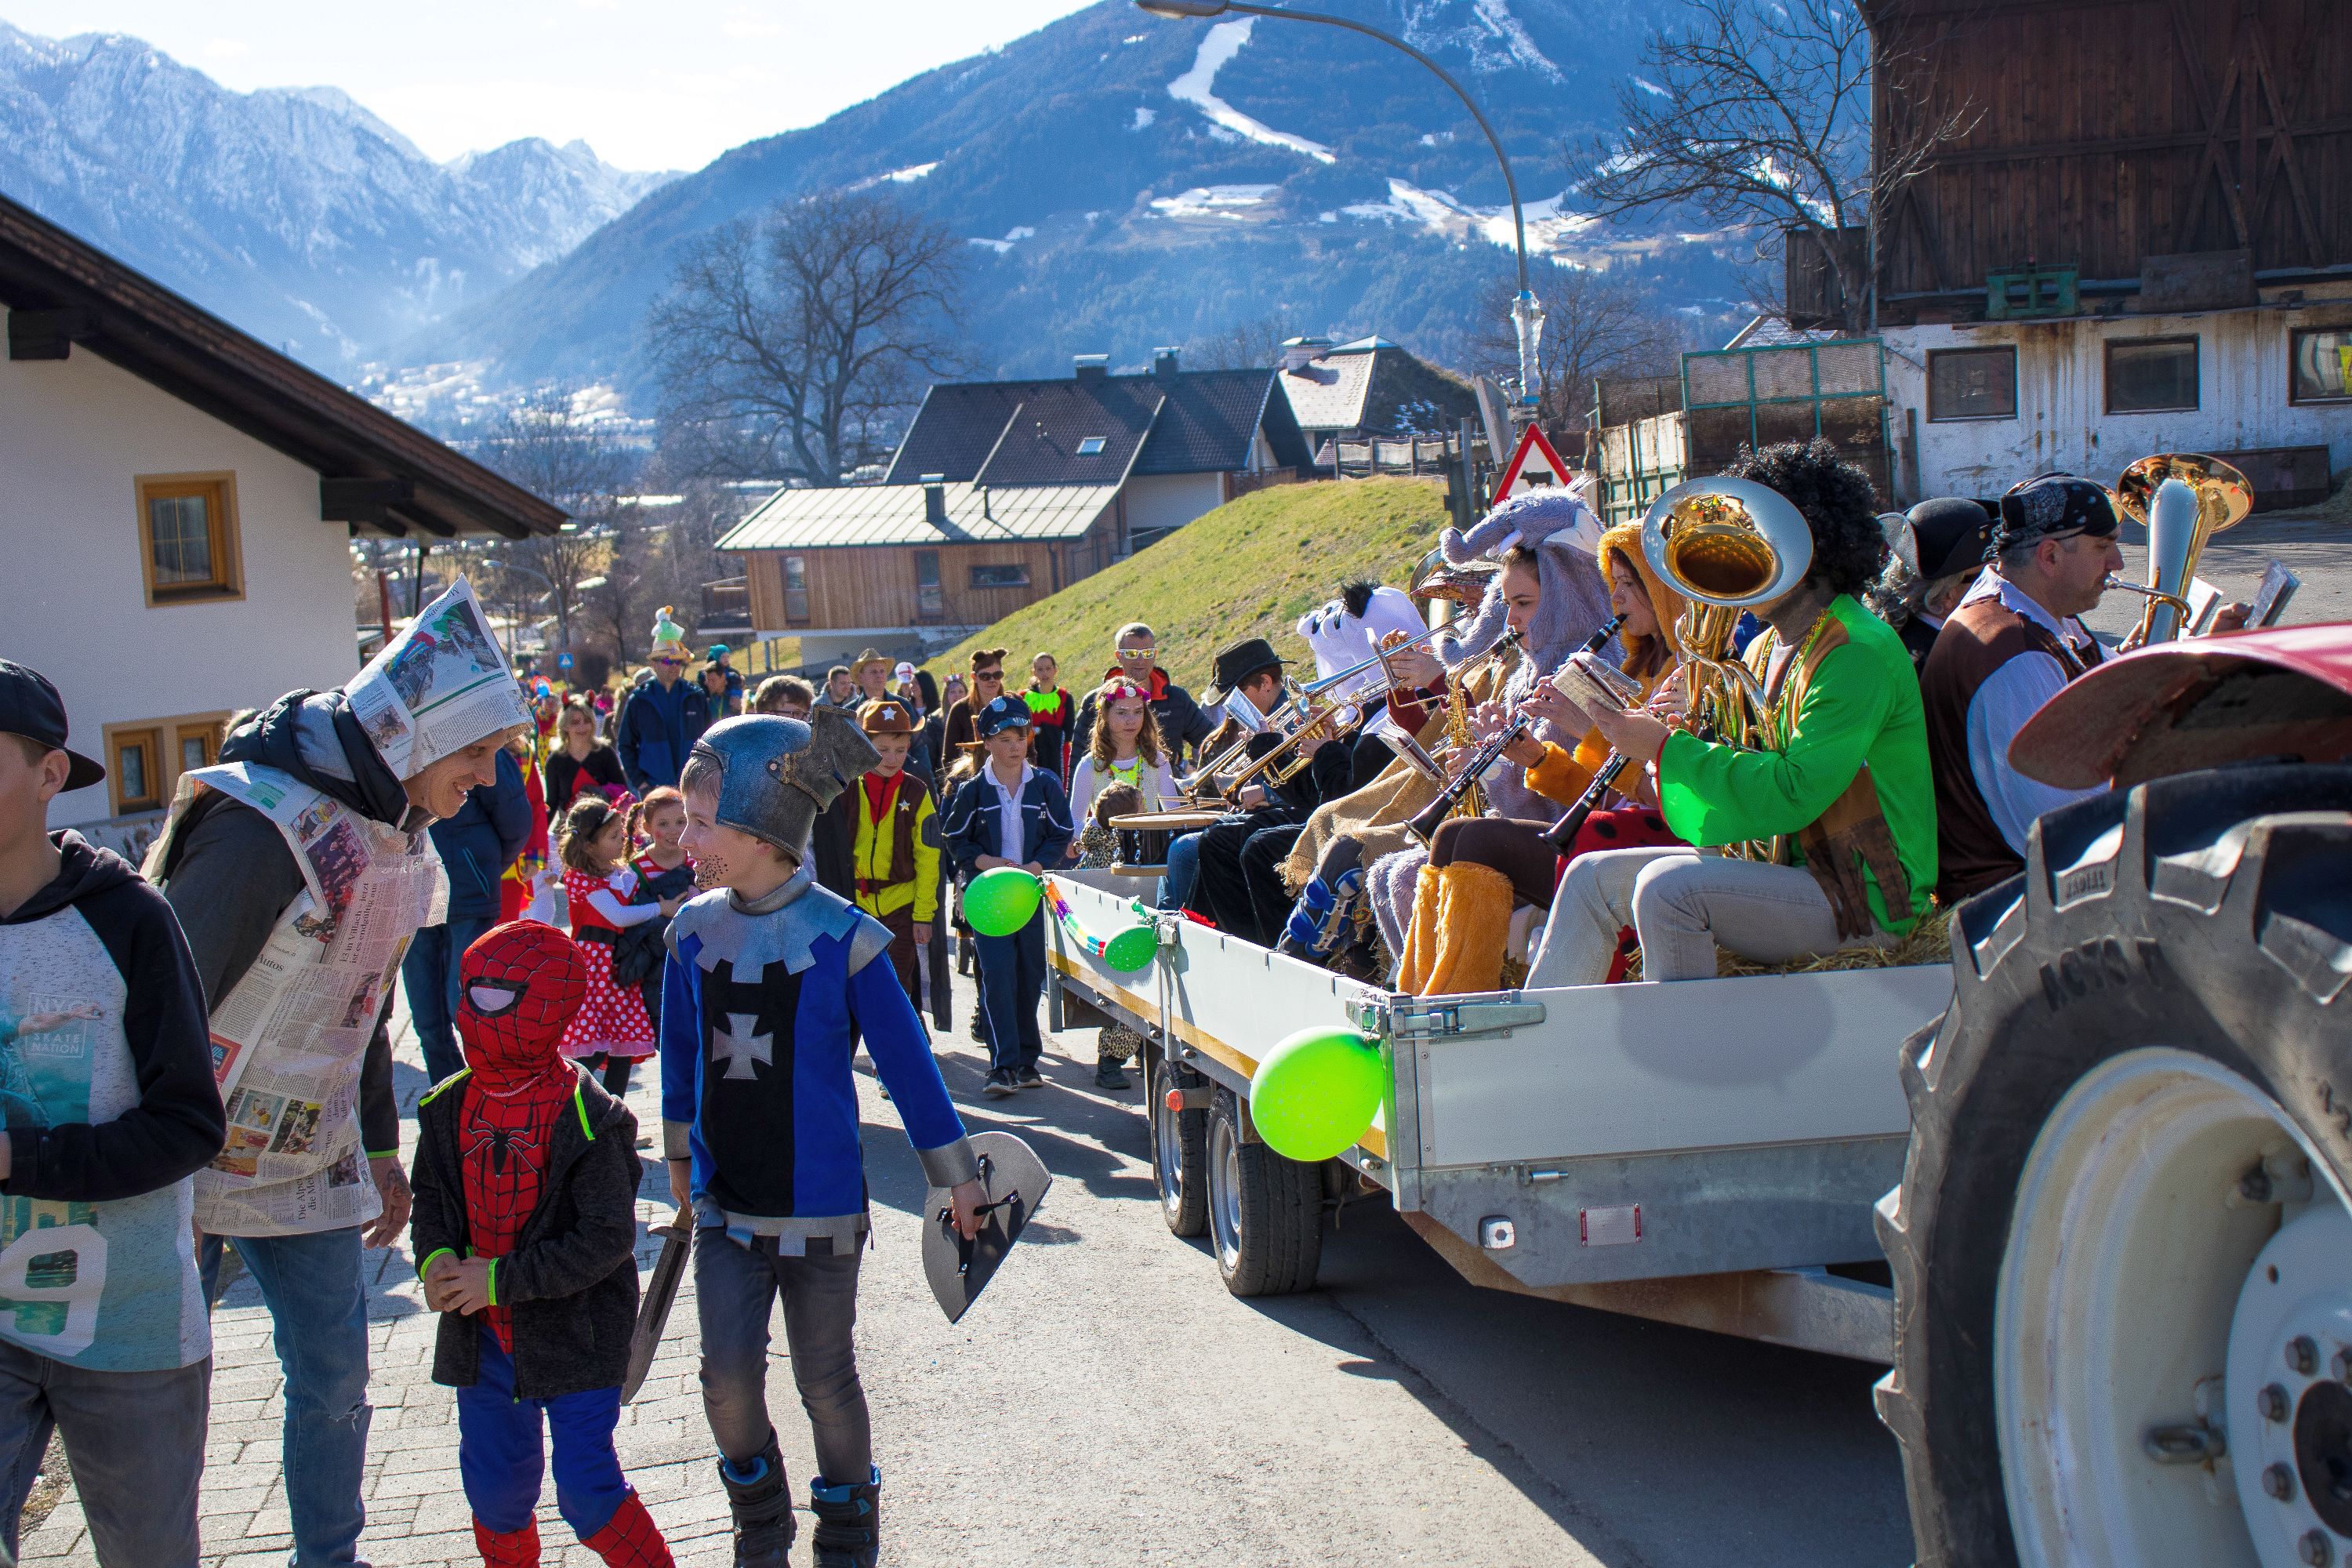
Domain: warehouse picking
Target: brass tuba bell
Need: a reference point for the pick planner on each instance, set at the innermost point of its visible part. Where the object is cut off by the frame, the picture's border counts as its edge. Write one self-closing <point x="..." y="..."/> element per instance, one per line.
<point x="2183" y="498"/>
<point x="1726" y="545"/>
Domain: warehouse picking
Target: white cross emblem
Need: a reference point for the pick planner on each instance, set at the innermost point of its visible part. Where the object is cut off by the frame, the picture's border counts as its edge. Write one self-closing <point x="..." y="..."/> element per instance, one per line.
<point x="745" y="1043"/>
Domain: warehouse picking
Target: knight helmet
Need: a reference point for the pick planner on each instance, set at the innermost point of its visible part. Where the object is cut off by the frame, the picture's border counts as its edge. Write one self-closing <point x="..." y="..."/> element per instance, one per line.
<point x="776" y="773"/>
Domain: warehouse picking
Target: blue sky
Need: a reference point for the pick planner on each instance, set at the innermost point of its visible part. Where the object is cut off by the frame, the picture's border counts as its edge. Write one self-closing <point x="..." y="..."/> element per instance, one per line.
<point x="650" y="84"/>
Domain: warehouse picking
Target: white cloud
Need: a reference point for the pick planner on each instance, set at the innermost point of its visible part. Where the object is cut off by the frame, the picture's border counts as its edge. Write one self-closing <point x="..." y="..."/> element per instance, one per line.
<point x="1196" y="87"/>
<point x="1144" y="115"/>
<point x="743" y="22"/>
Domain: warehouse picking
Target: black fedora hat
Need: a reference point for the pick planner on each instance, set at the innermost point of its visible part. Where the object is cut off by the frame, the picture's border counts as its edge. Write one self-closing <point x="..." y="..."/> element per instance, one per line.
<point x="1237" y="661"/>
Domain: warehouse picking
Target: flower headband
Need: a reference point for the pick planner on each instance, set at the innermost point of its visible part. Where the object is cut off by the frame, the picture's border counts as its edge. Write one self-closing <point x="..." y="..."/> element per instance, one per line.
<point x="1115" y="690"/>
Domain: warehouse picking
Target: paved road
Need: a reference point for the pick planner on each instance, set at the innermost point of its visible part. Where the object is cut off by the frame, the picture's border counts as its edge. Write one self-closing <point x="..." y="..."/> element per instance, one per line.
<point x="2315" y="547"/>
<point x="1109" y="1403"/>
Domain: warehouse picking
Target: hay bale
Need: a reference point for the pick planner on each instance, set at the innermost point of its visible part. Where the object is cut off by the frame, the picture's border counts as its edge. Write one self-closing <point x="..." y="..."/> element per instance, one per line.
<point x="1928" y="942"/>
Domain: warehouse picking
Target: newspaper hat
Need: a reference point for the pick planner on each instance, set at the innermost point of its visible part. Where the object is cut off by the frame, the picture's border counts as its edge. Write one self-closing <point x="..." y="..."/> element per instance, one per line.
<point x="441" y="685"/>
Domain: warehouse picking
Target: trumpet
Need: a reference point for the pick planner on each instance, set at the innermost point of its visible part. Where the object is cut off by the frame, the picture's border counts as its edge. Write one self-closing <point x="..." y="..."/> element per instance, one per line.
<point x="2184" y="499"/>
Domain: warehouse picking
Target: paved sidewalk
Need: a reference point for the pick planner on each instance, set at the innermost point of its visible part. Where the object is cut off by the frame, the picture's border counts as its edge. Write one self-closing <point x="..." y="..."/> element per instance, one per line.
<point x="416" y="1512"/>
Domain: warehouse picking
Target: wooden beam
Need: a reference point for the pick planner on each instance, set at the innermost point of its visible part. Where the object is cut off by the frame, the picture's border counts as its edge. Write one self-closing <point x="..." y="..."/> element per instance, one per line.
<point x="367" y="500"/>
<point x="2037" y="152"/>
<point x="46" y="334"/>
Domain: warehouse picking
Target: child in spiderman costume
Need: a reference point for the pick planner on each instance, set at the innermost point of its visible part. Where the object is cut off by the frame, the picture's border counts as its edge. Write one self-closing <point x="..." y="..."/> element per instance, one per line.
<point x="767" y="977"/>
<point x="525" y="1232"/>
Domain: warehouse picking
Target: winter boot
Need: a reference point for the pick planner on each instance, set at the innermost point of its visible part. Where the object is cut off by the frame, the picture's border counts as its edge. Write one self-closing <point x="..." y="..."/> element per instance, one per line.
<point x="763" y="1506"/>
<point x="1107" y="1075"/>
<point x="509" y="1549"/>
<point x="1472" y="927"/>
<point x="848" y="1522"/>
<point x="630" y="1538"/>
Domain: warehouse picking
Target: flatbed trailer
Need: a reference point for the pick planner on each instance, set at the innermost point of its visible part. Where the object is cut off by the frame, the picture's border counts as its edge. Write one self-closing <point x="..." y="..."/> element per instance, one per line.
<point x="1708" y="1152"/>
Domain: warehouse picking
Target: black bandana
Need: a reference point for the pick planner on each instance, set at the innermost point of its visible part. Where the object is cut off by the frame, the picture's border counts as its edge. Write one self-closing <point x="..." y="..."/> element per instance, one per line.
<point x="2052" y="507"/>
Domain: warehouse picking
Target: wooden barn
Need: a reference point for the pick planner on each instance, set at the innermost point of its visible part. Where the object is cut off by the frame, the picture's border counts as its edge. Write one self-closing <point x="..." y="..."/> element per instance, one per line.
<point x="2141" y="242"/>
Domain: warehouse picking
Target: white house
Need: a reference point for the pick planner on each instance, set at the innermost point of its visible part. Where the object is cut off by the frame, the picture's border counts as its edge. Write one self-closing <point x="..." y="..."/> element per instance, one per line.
<point x="177" y="514"/>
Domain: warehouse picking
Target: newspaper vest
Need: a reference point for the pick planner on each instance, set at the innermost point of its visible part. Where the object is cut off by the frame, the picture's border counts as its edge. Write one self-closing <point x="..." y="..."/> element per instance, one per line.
<point x="288" y="1036"/>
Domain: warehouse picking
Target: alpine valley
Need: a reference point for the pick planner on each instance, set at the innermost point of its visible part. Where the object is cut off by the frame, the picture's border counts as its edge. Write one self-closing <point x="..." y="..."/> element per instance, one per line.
<point x="1124" y="181"/>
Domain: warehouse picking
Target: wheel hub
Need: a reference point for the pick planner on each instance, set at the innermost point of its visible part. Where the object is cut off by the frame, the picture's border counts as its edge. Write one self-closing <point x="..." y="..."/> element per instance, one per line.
<point x="2290" y="1412"/>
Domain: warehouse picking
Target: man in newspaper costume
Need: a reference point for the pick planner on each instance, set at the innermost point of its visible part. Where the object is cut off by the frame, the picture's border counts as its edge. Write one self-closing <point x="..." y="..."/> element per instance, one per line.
<point x="300" y="867"/>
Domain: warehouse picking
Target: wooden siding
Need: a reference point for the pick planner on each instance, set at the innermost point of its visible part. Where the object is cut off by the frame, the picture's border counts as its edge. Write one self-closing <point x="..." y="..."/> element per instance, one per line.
<point x="2111" y="130"/>
<point x="873" y="586"/>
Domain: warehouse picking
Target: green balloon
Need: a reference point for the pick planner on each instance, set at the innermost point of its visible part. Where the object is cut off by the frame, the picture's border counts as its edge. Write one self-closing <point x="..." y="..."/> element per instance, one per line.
<point x="1314" y="1094"/>
<point x="999" y="902"/>
<point x="1132" y="949"/>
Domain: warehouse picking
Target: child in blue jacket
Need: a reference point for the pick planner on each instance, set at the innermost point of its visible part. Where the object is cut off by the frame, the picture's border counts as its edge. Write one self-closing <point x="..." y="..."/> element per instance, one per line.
<point x="1009" y="814"/>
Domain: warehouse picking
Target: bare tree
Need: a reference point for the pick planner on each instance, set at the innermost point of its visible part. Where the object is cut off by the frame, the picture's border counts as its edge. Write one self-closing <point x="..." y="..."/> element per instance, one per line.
<point x="1254" y="344"/>
<point x="1595" y="327"/>
<point x="1757" y="114"/>
<point x="801" y="339"/>
<point x="545" y="445"/>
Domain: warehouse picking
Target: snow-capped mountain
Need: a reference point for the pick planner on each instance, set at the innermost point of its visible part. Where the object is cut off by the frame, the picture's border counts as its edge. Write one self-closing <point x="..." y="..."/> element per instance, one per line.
<point x="295" y="213"/>
<point x="1126" y="180"/>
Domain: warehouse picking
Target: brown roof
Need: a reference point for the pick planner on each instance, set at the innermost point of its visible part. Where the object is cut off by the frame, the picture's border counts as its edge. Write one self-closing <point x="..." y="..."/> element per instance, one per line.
<point x="60" y="291"/>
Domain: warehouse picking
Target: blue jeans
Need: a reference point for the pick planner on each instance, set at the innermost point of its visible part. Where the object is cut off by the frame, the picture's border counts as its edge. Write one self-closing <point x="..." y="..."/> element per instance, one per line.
<point x="430" y="973"/>
<point x="135" y="1441"/>
<point x="318" y="1316"/>
<point x="500" y="1462"/>
<point x="735" y="1288"/>
<point x="1183" y="865"/>
<point x="1012" y="981"/>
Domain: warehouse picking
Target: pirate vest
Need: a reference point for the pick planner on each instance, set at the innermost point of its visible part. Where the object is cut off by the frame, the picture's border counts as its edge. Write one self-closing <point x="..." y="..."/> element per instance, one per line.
<point x="288" y="1036"/>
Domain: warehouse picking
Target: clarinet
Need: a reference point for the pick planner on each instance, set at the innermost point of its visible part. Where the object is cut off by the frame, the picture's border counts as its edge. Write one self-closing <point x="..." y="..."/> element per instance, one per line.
<point x="1562" y="834"/>
<point x="1425" y="821"/>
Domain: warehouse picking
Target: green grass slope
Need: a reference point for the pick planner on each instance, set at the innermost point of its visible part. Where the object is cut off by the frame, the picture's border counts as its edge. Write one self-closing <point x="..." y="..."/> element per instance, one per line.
<point x="1250" y="567"/>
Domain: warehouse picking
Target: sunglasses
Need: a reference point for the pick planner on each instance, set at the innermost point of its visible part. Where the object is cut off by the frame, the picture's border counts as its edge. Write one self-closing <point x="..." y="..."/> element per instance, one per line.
<point x="988" y="675"/>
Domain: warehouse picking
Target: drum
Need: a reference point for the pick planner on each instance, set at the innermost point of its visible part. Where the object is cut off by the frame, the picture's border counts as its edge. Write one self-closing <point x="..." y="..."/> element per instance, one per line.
<point x="1144" y="836"/>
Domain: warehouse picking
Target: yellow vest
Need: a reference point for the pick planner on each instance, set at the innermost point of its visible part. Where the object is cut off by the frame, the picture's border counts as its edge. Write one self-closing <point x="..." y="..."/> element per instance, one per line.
<point x="883" y="887"/>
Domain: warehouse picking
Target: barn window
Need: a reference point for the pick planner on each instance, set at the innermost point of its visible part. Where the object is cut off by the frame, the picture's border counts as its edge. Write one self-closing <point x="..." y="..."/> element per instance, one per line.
<point x="796" y="597"/>
<point x="1972" y="384"/>
<point x="930" y="606"/>
<point x="2151" y="376"/>
<point x="1013" y="576"/>
<point x="2322" y="364"/>
<point x="187" y="538"/>
<point x="1092" y="447"/>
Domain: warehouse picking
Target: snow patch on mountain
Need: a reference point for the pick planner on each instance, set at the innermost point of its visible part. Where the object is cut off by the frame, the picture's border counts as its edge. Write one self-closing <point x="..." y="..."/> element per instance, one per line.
<point x="906" y="176"/>
<point x="1495" y="38"/>
<point x="1214" y="201"/>
<point x="1197" y="86"/>
<point x="1549" y="230"/>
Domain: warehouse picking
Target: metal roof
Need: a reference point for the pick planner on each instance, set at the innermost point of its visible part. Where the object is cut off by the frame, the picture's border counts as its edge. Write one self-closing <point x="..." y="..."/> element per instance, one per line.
<point x="1374" y="386"/>
<point x="894" y="514"/>
<point x="1327" y="393"/>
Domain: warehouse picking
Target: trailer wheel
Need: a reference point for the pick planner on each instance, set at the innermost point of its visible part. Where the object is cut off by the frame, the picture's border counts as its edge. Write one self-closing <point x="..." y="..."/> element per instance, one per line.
<point x="1179" y="1153"/>
<point x="2122" y="1247"/>
<point x="1265" y="1213"/>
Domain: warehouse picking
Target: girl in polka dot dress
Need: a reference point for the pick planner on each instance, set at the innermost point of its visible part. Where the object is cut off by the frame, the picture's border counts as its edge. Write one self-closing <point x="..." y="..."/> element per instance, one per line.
<point x="612" y="1029"/>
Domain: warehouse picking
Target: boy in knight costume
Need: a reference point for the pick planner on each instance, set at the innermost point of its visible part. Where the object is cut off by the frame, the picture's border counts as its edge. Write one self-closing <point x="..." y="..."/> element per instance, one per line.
<point x="300" y="867"/>
<point x="769" y="973"/>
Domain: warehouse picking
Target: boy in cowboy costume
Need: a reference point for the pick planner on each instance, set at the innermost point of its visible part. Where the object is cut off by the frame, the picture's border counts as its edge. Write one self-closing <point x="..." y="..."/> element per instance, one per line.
<point x="768" y="976"/>
<point x="892" y="826"/>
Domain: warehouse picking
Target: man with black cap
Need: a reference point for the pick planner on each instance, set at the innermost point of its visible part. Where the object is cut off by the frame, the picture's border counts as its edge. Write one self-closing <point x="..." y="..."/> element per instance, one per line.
<point x="1939" y="549"/>
<point x="106" y="1082"/>
<point x="1239" y="884"/>
<point x="2016" y="639"/>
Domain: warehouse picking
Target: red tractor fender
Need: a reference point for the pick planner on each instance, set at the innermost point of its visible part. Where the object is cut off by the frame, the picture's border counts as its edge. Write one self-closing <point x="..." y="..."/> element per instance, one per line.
<point x="2283" y="693"/>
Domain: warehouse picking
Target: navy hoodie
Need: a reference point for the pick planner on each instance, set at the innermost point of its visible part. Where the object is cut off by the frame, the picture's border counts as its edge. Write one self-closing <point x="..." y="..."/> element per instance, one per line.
<point x="106" y="1084"/>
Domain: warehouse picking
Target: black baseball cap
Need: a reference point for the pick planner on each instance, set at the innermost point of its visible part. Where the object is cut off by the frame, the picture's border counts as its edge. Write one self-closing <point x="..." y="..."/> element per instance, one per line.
<point x="30" y="707"/>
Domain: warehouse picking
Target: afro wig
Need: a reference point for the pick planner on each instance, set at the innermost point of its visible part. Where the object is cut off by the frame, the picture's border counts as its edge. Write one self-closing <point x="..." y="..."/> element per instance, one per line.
<point x="1849" y="546"/>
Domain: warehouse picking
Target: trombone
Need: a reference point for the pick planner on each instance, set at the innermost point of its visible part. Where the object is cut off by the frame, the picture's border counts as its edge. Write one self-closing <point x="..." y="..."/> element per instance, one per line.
<point x="2183" y="498"/>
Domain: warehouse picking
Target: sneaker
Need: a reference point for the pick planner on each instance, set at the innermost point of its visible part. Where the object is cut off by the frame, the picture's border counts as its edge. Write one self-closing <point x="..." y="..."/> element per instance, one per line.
<point x="1107" y="1074"/>
<point x="1029" y="1077"/>
<point x="998" y="1083"/>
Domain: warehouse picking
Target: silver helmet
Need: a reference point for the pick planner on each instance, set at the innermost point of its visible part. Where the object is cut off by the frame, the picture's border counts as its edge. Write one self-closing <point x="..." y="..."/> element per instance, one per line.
<point x="776" y="773"/>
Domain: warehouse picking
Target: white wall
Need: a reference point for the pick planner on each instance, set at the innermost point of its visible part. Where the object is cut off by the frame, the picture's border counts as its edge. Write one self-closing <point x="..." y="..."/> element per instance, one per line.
<point x="1157" y="502"/>
<point x="2062" y="423"/>
<point x="74" y="434"/>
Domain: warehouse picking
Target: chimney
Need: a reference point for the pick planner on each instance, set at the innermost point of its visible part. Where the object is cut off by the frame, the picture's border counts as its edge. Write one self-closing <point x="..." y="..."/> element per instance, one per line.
<point x="1091" y="368"/>
<point x="935" y="499"/>
<point x="1163" y="363"/>
<point x="1299" y="353"/>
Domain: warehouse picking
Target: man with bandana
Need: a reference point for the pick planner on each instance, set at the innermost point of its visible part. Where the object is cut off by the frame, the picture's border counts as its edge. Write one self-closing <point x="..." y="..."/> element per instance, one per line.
<point x="2016" y="639"/>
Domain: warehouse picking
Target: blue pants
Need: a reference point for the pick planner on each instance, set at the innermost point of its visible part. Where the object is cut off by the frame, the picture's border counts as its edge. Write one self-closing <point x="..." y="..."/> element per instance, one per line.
<point x="499" y="1456"/>
<point x="317" y="1316"/>
<point x="430" y="973"/>
<point x="1012" y="982"/>
<point x="1183" y="865"/>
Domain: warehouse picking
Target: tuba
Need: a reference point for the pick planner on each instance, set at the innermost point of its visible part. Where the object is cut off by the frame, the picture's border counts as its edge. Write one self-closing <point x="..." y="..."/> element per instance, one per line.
<point x="1726" y="545"/>
<point x="2184" y="499"/>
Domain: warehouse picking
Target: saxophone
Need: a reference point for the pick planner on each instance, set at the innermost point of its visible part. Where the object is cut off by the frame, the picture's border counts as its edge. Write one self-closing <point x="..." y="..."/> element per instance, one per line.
<point x="1459" y="740"/>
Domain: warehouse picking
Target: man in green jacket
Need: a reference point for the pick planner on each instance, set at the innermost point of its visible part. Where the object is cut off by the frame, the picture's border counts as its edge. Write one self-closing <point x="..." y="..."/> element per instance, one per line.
<point x="1841" y="779"/>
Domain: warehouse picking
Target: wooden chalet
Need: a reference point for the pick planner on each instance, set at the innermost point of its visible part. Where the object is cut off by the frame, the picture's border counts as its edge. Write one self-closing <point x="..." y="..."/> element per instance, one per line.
<point x="1004" y="492"/>
<point x="2142" y="241"/>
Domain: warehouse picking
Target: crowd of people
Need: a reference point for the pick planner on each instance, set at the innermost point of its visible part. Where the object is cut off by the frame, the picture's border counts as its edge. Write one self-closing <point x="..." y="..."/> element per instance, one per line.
<point x="565" y="887"/>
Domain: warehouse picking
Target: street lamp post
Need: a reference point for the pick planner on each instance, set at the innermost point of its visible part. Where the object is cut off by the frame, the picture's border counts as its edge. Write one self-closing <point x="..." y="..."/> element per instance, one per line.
<point x="1526" y="310"/>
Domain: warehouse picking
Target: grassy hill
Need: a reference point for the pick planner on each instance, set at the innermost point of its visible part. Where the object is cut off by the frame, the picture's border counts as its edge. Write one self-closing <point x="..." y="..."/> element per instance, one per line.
<point x="1252" y="566"/>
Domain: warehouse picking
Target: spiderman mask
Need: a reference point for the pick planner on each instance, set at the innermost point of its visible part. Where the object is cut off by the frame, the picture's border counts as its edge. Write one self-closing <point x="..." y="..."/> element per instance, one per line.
<point x="517" y="987"/>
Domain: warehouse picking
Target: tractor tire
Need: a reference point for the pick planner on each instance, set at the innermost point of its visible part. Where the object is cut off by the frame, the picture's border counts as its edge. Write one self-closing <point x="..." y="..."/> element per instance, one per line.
<point x="2124" y="1219"/>
<point x="1265" y="1213"/>
<point x="1179" y="1150"/>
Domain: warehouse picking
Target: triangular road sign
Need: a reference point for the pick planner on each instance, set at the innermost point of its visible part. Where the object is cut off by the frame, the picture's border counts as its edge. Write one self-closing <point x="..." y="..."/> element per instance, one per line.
<point x="1533" y="466"/>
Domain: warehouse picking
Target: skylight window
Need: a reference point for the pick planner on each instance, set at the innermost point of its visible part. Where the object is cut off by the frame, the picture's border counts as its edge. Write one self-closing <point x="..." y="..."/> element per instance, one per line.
<point x="1091" y="446"/>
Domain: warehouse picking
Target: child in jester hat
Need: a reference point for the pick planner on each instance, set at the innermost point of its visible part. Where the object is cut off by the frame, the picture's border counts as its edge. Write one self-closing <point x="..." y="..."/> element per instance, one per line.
<point x="526" y="1180"/>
